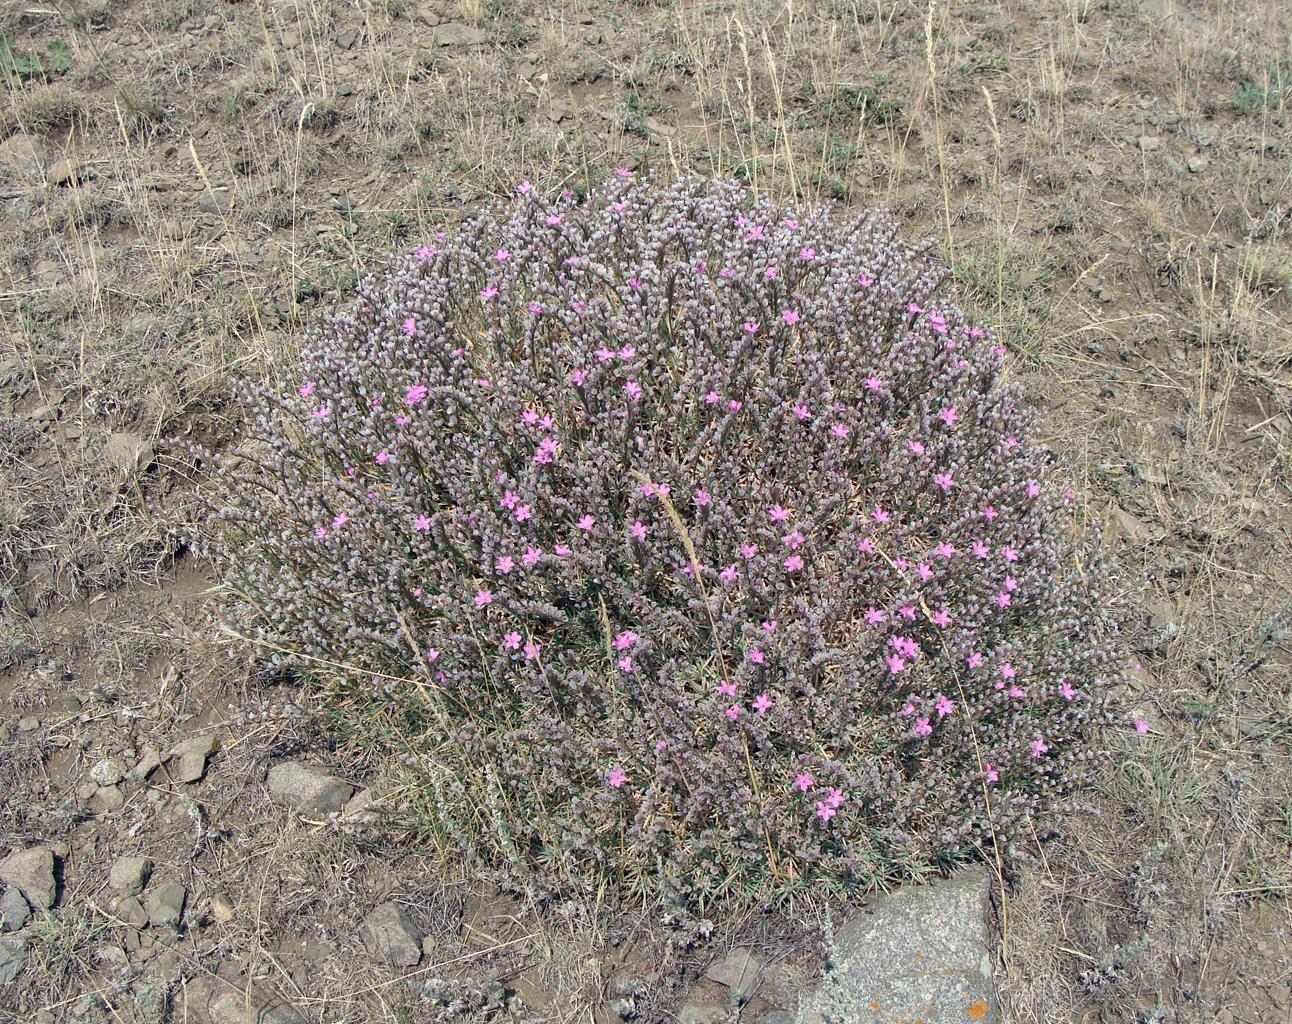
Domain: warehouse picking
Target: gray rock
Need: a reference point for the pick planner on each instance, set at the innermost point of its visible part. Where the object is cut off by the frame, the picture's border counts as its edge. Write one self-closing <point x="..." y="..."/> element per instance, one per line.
<point x="13" y="956"/>
<point x="1148" y="143"/>
<point x="391" y="937"/>
<point x="65" y="172"/>
<point x="191" y="756"/>
<point x="216" y="202"/>
<point x="108" y="772"/>
<point x="920" y="952"/>
<point x="456" y="34"/>
<point x="308" y="790"/>
<point x="106" y="799"/>
<point x="165" y="905"/>
<point x="132" y="912"/>
<point x="14" y="912"/>
<point x="738" y="971"/>
<point x="129" y="875"/>
<point x="32" y="871"/>
<point x="780" y="985"/>
<point x="703" y="1013"/>
<point x="22" y="154"/>
<point x="127" y="453"/>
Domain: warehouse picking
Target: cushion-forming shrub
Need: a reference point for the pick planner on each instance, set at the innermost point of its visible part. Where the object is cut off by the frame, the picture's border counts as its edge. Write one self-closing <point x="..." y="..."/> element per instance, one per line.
<point x="688" y="543"/>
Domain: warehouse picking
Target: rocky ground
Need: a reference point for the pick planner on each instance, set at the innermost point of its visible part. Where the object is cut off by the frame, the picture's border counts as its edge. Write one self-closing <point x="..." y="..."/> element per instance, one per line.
<point x="185" y="183"/>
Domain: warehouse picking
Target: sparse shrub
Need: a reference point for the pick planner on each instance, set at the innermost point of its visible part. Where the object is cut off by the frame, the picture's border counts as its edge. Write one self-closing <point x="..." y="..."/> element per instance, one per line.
<point x="687" y="543"/>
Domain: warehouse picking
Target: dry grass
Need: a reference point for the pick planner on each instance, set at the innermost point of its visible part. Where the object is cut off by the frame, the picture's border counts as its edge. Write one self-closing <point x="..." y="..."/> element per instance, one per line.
<point x="1111" y="184"/>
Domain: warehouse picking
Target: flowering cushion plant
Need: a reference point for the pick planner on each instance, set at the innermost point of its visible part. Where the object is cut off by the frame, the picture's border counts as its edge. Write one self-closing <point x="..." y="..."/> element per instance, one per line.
<point x="698" y="544"/>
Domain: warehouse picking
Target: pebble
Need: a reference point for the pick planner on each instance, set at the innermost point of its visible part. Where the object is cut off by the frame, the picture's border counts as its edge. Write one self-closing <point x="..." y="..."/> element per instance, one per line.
<point x="703" y="1013"/>
<point x="222" y="908"/>
<point x="32" y="871"/>
<point x="307" y="790"/>
<point x="191" y="757"/>
<point x="108" y="772"/>
<point x="391" y="937"/>
<point x="65" y="172"/>
<point x="456" y="34"/>
<point x="130" y="911"/>
<point x="13" y="956"/>
<point x="129" y="875"/>
<point x="106" y="799"/>
<point x="165" y="905"/>
<point x="738" y="972"/>
<point x="14" y="912"/>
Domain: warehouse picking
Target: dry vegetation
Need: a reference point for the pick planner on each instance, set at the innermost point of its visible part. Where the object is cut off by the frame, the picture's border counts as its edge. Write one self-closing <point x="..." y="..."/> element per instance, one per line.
<point x="1111" y="183"/>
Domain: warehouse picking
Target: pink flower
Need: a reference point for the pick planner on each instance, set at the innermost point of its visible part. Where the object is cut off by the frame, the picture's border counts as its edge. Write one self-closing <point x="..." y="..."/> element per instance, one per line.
<point x="1003" y="600"/>
<point x="750" y="326"/>
<point x="1009" y="554"/>
<point x="625" y="640"/>
<point x="989" y="513"/>
<point x="922" y="727"/>
<point x="525" y="186"/>
<point x="807" y="253"/>
<point x="824" y="811"/>
<point x="410" y="326"/>
<point x="1011" y="584"/>
<point x="944" y="705"/>
<point x="603" y="354"/>
<point x="907" y="612"/>
<point x="761" y="703"/>
<point x="1039" y="747"/>
<point x="321" y="533"/>
<point x="322" y="412"/>
<point x="866" y="545"/>
<point x="489" y="292"/>
<point x="633" y="390"/>
<point x="839" y="430"/>
<point x="1007" y="671"/>
<point x="729" y="574"/>
<point x="432" y="654"/>
<point x="307" y="389"/>
<point x="423" y="253"/>
<point x="778" y="514"/>
<point x="511" y="641"/>
<point x="1141" y="726"/>
<point x="483" y="597"/>
<point x="975" y="659"/>
<point x="523" y="513"/>
<point x="874" y="383"/>
<point x="944" y="550"/>
<point x="756" y="656"/>
<point x="990" y="774"/>
<point x="532" y="650"/>
<point x="727" y="688"/>
<point x="339" y="520"/>
<point x="701" y="497"/>
<point x="561" y="550"/>
<point x="638" y="530"/>
<point x="578" y="377"/>
<point x="616" y="777"/>
<point x="914" y="307"/>
<point x="804" y="781"/>
<point x="793" y="540"/>
<point x="625" y="663"/>
<point x="535" y="308"/>
<point x="415" y="395"/>
<point x="925" y="571"/>
<point x="586" y="523"/>
<point x="505" y="564"/>
<point x="769" y="627"/>
<point x="880" y="516"/>
<point x="803" y="413"/>
<point x="1066" y="691"/>
<point x="531" y="556"/>
<point x="502" y="255"/>
<point x="747" y="551"/>
<point x="896" y="663"/>
<point x="382" y="458"/>
<point x="401" y="421"/>
<point x="421" y="523"/>
<point x="942" y="618"/>
<point x="1033" y="489"/>
<point x="944" y="481"/>
<point x="627" y="352"/>
<point x="865" y="281"/>
<point x="874" y="616"/>
<point x="712" y="398"/>
<point x="915" y="447"/>
<point x="790" y="316"/>
<point x="948" y="415"/>
<point x="733" y="712"/>
<point x="735" y="405"/>
<point x="980" y="550"/>
<point x="907" y="710"/>
<point x="793" y="564"/>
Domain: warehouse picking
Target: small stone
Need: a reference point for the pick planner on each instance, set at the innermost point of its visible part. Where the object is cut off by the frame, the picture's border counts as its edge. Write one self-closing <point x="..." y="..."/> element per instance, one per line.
<point x="347" y="36"/>
<point x="192" y="755"/>
<point x="456" y="34"/>
<point x="363" y="806"/>
<point x="738" y="971"/>
<point x="308" y="790"/>
<point x="32" y="871"/>
<point x="214" y="201"/>
<point x="222" y="907"/>
<point x="391" y="937"/>
<point x="108" y="772"/>
<point x="114" y="955"/>
<point x="127" y="453"/>
<point x="165" y="904"/>
<point x="1197" y="164"/>
<point x="14" y="912"/>
<point x="22" y="154"/>
<point x="130" y="911"/>
<point x="702" y="1013"/>
<point x="780" y="985"/>
<point x="129" y="875"/>
<point x="65" y="172"/>
<point x="148" y="763"/>
<point x="1148" y="143"/>
<point x="28" y="723"/>
<point x="106" y="799"/>
<point x="13" y="956"/>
